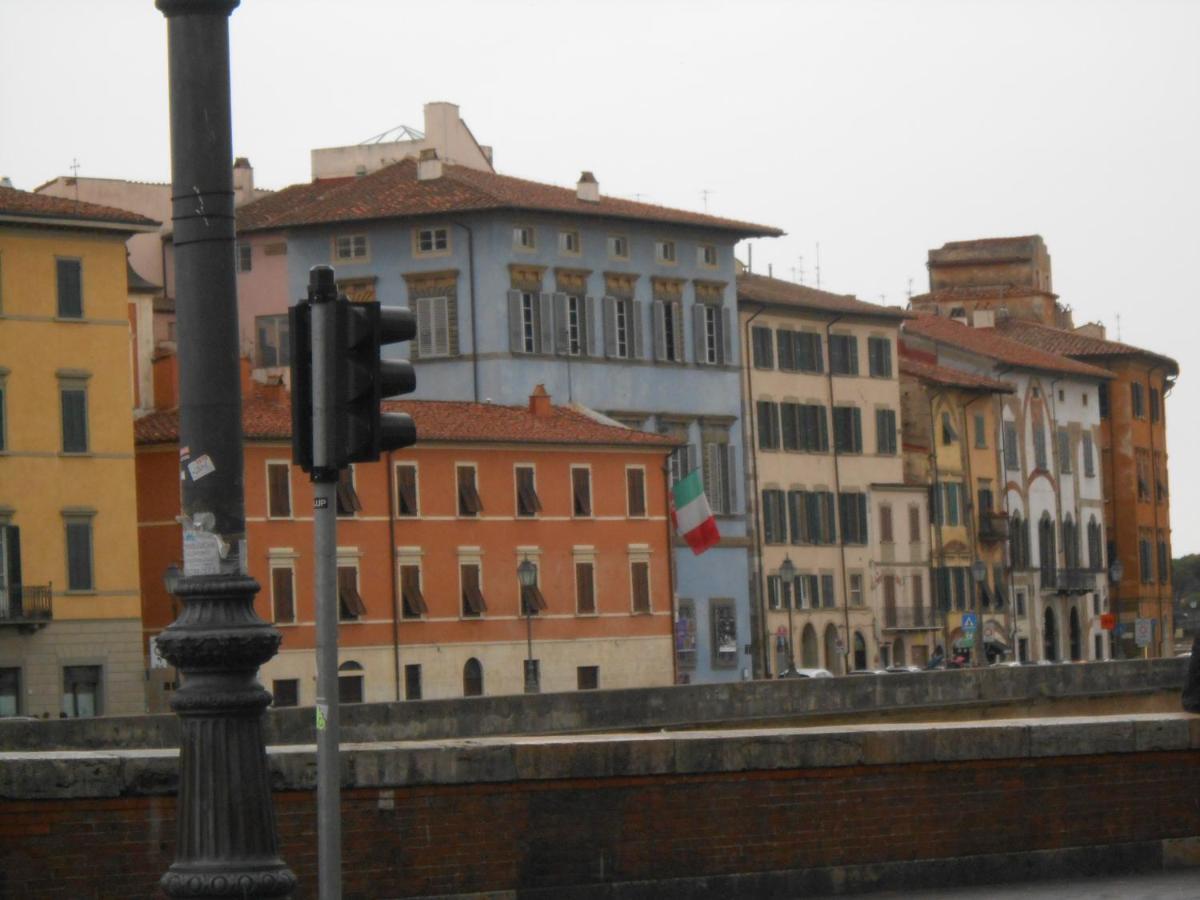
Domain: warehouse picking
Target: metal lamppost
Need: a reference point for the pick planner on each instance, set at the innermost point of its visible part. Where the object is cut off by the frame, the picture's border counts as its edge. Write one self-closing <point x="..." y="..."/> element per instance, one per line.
<point x="787" y="576"/>
<point x="527" y="576"/>
<point x="227" y="844"/>
<point x="1115" y="573"/>
<point x="979" y="576"/>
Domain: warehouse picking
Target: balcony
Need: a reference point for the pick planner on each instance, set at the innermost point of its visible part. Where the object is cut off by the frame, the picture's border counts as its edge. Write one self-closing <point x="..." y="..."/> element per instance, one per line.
<point x="909" y="618"/>
<point x="1069" y="581"/>
<point x="993" y="527"/>
<point x="26" y="607"/>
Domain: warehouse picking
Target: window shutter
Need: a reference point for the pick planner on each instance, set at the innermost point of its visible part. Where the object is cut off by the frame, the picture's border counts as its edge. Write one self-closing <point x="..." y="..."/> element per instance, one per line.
<point x="610" y="327"/>
<point x="424" y="327"/>
<point x="590" y="347"/>
<point x="70" y="292"/>
<point x="862" y="518"/>
<point x="585" y="596"/>
<point x="698" y="333"/>
<point x="12" y="556"/>
<point x="635" y="314"/>
<point x="729" y="457"/>
<point x="787" y="348"/>
<point x="726" y="342"/>
<point x="822" y="428"/>
<point x="856" y="419"/>
<point x="677" y="317"/>
<point x="692" y="460"/>
<point x="546" y="314"/>
<point x="660" y="331"/>
<point x="562" y="337"/>
<point x="441" y="326"/>
<point x="515" y="342"/>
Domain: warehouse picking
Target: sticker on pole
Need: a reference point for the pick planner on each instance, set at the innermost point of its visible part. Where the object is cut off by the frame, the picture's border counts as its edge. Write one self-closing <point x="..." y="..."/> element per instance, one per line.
<point x="320" y="502"/>
<point x="322" y="715"/>
<point x="201" y="466"/>
<point x="201" y="553"/>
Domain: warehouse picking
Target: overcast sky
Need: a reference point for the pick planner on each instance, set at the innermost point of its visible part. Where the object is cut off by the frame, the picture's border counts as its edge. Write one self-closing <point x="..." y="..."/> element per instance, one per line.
<point x="878" y="129"/>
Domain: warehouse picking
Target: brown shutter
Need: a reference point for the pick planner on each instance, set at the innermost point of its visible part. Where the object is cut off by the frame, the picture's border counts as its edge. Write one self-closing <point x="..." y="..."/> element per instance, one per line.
<point x="528" y="503"/>
<point x="347" y="498"/>
<point x="283" y="595"/>
<point x="352" y="605"/>
<point x="532" y="599"/>
<point x="585" y="593"/>
<point x="885" y="524"/>
<point x="582" y="490"/>
<point x="635" y="480"/>
<point x="278" y="497"/>
<point x="641" y="587"/>
<point x="472" y="597"/>
<point x="469" y="503"/>
<point x="410" y="591"/>
<point x="406" y="490"/>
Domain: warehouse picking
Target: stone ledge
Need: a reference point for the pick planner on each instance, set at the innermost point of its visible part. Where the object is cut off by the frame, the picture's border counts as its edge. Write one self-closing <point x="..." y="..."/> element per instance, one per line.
<point x="102" y="774"/>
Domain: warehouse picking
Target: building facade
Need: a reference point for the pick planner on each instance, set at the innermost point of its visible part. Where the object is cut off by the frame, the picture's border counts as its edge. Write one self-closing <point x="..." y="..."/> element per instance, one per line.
<point x="70" y="634"/>
<point x="624" y="307"/>
<point x="822" y="400"/>
<point x="429" y="542"/>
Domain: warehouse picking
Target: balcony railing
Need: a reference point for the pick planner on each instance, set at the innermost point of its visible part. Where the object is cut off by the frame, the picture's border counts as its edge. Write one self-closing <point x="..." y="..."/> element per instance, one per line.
<point x="898" y="618"/>
<point x="993" y="526"/>
<point x="27" y="606"/>
<point x="1069" y="581"/>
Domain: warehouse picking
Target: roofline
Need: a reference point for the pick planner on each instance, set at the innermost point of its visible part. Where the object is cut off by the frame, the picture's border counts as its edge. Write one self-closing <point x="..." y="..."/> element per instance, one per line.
<point x="123" y="226"/>
<point x="633" y="446"/>
<point x="884" y="312"/>
<point x="1011" y="365"/>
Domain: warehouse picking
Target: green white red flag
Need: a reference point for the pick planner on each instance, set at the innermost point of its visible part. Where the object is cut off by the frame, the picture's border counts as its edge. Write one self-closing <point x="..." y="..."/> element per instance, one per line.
<point x="691" y="514"/>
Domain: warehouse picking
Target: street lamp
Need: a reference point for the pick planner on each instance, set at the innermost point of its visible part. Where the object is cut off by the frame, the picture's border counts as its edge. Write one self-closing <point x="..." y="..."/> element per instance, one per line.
<point x="979" y="574"/>
<point x="527" y="575"/>
<point x="1115" y="573"/>
<point x="787" y="576"/>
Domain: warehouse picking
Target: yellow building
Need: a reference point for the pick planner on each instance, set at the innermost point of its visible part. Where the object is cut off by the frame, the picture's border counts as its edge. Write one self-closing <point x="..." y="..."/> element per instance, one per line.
<point x="951" y="436"/>
<point x="70" y="611"/>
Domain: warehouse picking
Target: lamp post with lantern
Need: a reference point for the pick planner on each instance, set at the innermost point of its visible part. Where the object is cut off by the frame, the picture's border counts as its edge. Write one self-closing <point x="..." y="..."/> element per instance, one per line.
<point x="527" y="576"/>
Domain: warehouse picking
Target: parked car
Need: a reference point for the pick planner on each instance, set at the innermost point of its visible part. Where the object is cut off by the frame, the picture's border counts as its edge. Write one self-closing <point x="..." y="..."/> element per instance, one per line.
<point x="869" y="672"/>
<point x="902" y="670"/>
<point x="806" y="673"/>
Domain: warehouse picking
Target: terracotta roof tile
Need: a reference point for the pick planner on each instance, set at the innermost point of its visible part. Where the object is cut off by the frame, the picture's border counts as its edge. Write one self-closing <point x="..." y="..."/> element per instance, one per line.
<point x="761" y="289"/>
<point x="987" y="342"/>
<point x="266" y="415"/>
<point x="985" y="292"/>
<point x="394" y="192"/>
<point x="39" y="206"/>
<point x="1074" y="344"/>
<point x="953" y="377"/>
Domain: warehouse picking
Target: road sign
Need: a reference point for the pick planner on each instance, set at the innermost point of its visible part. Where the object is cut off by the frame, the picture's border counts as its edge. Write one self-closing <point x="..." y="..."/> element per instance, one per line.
<point x="1143" y="632"/>
<point x="1108" y="621"/>
<point x="970" y="623"/>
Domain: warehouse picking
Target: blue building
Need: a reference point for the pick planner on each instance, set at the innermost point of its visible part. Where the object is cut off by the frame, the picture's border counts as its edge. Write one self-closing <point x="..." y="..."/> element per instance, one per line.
<point x="626" y="308"/>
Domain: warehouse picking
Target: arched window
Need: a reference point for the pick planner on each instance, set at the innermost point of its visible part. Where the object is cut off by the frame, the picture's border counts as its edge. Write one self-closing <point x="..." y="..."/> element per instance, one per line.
<point x="1047" y="559"/>
<point x="1095" y="545"/>
<point x="1076" y="635"/>
<point x="1050" y="636"/>
<point x="472" y="678"/>
<point x="1070" y="537"/>
<point x="1015" y="549"/>
<point x="860" y="651"/>
<point x="833" y="656"/>
<point x="808" y="648"/>
<point x="350" y="682"/>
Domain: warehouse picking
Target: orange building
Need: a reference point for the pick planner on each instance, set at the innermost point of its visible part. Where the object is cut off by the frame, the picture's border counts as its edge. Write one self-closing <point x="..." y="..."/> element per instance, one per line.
<point x="488" y="486"/>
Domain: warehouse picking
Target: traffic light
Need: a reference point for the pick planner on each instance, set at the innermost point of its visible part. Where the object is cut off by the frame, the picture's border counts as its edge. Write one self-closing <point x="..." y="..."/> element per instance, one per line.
<point x="338" y="378"/>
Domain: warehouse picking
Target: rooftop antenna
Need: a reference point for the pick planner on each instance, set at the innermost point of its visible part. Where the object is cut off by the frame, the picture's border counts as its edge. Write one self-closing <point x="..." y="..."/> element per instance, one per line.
<point x="74" y="167"/>
<point x="800" y="262"/>
<point x="1118" y="326"/>
<point x="704" y="193"/>
<point x="910" y="287"/>
<point x="818" y="265"/>
<point x="770" y="270"/>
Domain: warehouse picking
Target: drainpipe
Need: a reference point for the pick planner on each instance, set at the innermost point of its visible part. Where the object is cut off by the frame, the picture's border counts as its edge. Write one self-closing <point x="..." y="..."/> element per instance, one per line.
<point x="837" y="490"/>
<point x="471" y="291"/>
<point x="762" y="633"/>
<point x="391" y="486"/>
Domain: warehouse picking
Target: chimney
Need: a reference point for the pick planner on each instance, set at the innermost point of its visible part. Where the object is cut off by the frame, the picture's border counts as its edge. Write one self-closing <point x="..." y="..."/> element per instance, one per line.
<point x="5" y="181"/>
<point x="539" y="402"/>
<point x="429" y="167"/>
<point x="243" y="181"/>
<point x="588" y="188"/>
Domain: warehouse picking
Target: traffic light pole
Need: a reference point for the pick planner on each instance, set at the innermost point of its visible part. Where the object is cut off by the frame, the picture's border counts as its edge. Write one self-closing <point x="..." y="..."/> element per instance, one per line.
<point x="322" y="295"/>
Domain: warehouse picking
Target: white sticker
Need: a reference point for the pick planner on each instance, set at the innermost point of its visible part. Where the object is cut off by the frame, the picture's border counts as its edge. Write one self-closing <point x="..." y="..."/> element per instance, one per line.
<point x="201" y="553"/>
<point x="200" y="467"/>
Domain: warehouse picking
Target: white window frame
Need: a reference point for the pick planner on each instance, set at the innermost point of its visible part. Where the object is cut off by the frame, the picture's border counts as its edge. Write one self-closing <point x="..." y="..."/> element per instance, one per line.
<point x="471" y="556"/>
<point x="618" y="246"/>
<point x="645" y="500"/>
<point x="355" y="241"/>
<point x="576" y="316"/>
<point x="416" y="467"/>
<point x="585" y="554"/>
<point x="640" y="553"/>
<point x="268" y="465"/>
<point x="433" y="231"/>
<point x="666" y="253"/>
<point x="429" y="310"/>
<point x="282" y="558"/>
<point x="530" y="332"/>
<point x="566" y="238"/>
<point x="712" y="334"/>
<point x="591" y="514"/>
<point x="706" y="256"/>
<point x="622" y="320"/>
<point x="520" y="233"/>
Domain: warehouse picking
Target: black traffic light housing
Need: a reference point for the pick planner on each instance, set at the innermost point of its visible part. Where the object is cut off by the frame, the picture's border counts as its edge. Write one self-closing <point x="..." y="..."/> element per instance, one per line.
<point x="356" y="381"/>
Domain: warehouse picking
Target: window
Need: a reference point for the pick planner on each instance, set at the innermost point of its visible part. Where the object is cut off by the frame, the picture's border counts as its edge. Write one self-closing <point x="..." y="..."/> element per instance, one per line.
<point x="72" y="393"/>
<point x="1089" y="462"/>
<point x="914" y="524"/>
<point x="664" y="252"/>
<point x="847" y="429"/>
<point x="814" y="428"/>
<point x="523" y="238"/>
<point x="412" y="681"/>
<point x="473" y="604"/>
<point x="1018" y="542"/>
<point x="1047" y="555"/>
<point x="587" y="678"/>
<point x="79" y="552"/>
<point x="406" y="490"/>
<point x="285" y="692"/>
<point x="1154" y="405"/>
<point x="273" y="342"/>
<point x="1039" y="446"/>
<point x="528" y="503"/>
<point x="1103" y="394"/>
<point x="1011" y="461"/>
<point x="789" y="415"/>
<point x="807" y="352"/>
<point x="622" y="328"/>
<point x="283" y="594"/>
<point x="585" y="588"/>
<point x="279" y="490"/>
<point x="635" y="492"/>
<point x="581" y="491"/>
<point x="879" y="355"/>
<point x="856" y="587"/>
<point x="10" y="692"/>
<point x="886" y="535"/>
<point x="980" y="432"/>
<point x="828" y="592"/>
<point x="1064" y="451"/>
<point x="348" y="247"/>
<point x="432" y="241"/>
<point x="774" y="515"/>
<point x="532" y="601"/>
<point x="3" y="411"/>
<point x="710" y="328"/>
<point x="852" y="512"/>
<point x="577" y="322"/>
<point x="618" y="246"/>
<point x="347" y="498"/>
<point x="1138" y="398"/>
<point x="724" y="634"/>
<point x="1095" y="547"/>
<point x="81" y="692"/>
<point x="70" y="288"/>
<point x="1070" y="543"/>
<point x="706" y="255"/>
<point x="1164" y="560"/>
<point x="350" y="602"/>
<point x="469" y="503"/>
<point x="948" y="504"/>
<point x="412" y="601"/>
<point x="885" y="432"/>
<point x="1142" y="468"/>
<point x="986" y="502"/>
<point x="433" y="327"/>
<point x="639" y="576"/>
<point x="245" y="259"/>
<point x="719" y="473"/>
<point x="568" y="243"/>
<point x="762" y="347"/>
<point x="949" y="432"/>
<point x="668" y="331"/>
<point x="472" y="678"/>
<point x="843" y="354"/>
<point x="775" y="592"/>
<point x="529" y="319"/>
<point x="1145" y="560"/>
<point x="768" y="425"/>
<point x="918" y="592"/>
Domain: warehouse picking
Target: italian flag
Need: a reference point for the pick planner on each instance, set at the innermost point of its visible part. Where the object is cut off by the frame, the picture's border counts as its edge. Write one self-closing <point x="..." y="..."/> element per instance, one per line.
<point x="691" y="514"/>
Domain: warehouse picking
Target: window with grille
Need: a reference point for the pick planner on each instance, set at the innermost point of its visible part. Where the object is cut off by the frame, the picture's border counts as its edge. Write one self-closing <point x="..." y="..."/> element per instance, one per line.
<point x="245" y="257"/>
<point x="587" y="678"/>
<point x="349" y="247"/>
<point x="432" y="241"/>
